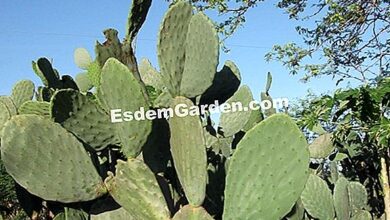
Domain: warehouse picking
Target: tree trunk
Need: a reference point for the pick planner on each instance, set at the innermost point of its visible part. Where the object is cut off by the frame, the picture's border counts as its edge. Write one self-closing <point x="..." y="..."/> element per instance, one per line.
<point x="385" y="186"/>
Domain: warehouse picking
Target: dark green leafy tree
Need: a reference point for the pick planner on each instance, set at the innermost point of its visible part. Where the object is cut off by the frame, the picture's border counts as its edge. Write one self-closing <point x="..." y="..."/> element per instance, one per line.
<point x="358" y="120"/>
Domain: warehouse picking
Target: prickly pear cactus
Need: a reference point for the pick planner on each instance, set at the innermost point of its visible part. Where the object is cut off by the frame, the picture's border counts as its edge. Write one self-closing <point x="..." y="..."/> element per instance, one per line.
<point x="271" y="157"/>
<point x="189" y="153"/>
<point x="48" y="161"/>
<point x="317" y="198"/>
<point x="22" y="92"/>
<point x="83" y="117"/>
<point x="120" y="90"/>
<point x="135" y="188"/>
<point x="192" y="213"/>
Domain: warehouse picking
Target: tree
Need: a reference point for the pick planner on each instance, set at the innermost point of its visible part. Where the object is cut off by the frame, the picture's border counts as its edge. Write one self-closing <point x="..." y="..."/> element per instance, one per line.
<point x="350" y="35"/>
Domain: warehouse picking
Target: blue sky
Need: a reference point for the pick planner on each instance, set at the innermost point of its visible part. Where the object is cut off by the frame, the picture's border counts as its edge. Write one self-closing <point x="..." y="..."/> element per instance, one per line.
<point x="54" y="29"/>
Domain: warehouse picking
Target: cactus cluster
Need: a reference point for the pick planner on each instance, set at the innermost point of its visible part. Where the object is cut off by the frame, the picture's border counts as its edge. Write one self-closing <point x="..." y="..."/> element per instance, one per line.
<point x="62" y="147"/>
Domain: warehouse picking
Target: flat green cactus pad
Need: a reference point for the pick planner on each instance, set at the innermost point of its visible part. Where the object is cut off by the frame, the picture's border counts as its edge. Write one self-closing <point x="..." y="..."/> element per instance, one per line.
<point x="271" y="157"/>
<point x="322" y="146"/>
<point x="362" y="215"/>
<point x="4" y="116"/>
<point x="120" y="90"/>
<point x="35" y="108"/>
<point x="149" y="75"/>
<point x="83" y="82"/>
<point x="188" y="150"/>
<point x="317" y="198"/>
<point x="135" y="188"/>
<point x="232" y="122"/>
<point x="58" y="168"/>
<point x="83" y="117"/>
<point x="341" y="199"/>
<point x="8" y="102"/>
<point x="357" y="195"/>
<point x="82" y="58"/>
<point x="201" y="56"/>
<point x="192" y="213"/>
<point x="172" y="44"/>
<point x="117" y="214"/>
<point x="70" y="213"/>
<point x="23" y="91"/>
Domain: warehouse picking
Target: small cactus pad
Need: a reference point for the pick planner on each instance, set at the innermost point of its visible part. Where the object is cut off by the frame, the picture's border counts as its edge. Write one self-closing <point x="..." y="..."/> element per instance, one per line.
<point x="298" y="212"/>
<point x="70" y="213"/>
<point x="136" y="189"/>
<point x="149" y="75"/>
<point x="82" y="58"/>
<point x="117" y="214"/>
<point x="83" y="82"/>
<point x="341" y="199"/>
<point x="189" y="152"/>
<point x="271" y="157"/>
<point x="94" y="73"/>
<point x="192" y="213"/>
<point x="83" y="117"/>
<point x="35" y="108"/>
<point x="266" y="98"/>
<point x="8" y="102"/>
<point x="255" y="117"/>
<point x="172" y="44"/>
<point x="357" y="195"/>
<point x="48" y="75"/>
<point x="322" y="146"/>
<point x="362" y="215"/>
<point x="22" y="92"/>
<point x="201" y="56"/>
<point x="4" y="116"/>
<point x="58" y="168"/>
<point x="233" y="121"/>
<point x="120" y="90"/>
<point x="317" y="198"/>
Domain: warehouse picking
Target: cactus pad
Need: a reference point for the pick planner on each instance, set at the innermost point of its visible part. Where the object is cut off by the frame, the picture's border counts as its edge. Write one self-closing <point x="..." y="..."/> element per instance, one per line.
<point x="341" y="199"/>
<point x="117" y="214"/>
<point x="201" y="56"/>
<point x="136" y="189"/>
<point x="192" y="213"/>
<point x="189" y="153"/>
<point x="8" y="102"/>
<point x="83" y="117"/>
<point x="4" y="115"/>
<point x="271" y="157"/>
<point x="120" y="90"/>
<point x="317" y="198"/>
<point x="83" y="82"/>
<point x="35" y="108"/>
<point x="322" y="146"/>
<point x="58" y="168"/>
<point x="357" y="195"/>
<point x="149" y="75"/>
<point x="23" y="91"/>
<point x="362" y="215"/>
<point x="172" y="44"/>
<point x="232" y="122"/>
<point x="82" y="58"/>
